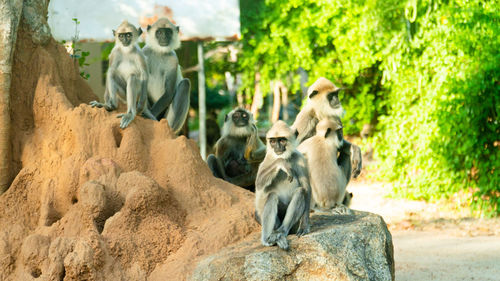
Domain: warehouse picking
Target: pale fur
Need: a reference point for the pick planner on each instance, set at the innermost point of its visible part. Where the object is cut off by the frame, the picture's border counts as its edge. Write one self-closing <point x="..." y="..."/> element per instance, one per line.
<point x="127" y="60"/>
<point x="126" y="27"/>
<point x="324" y="110"/>
<point x="281" y="129"/>
<point x="152" y="43"/>
<point x="294" y="185"/>
<point x="316" y="108"/>
<point x="328" y="182"/>
<point x="162" y="61"/>
<point x="128" y="64"/>
<point x="165" y="79"/>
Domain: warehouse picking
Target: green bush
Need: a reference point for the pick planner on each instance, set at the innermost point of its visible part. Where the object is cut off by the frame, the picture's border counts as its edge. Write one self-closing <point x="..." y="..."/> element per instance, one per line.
<point x="440" y="132"/>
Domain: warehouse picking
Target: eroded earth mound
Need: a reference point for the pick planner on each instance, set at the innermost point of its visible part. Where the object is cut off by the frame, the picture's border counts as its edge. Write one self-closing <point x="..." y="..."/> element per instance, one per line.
<point x="90" y="201"/>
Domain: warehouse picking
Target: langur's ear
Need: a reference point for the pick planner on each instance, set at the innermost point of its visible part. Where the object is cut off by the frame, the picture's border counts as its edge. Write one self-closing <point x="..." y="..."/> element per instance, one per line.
<point x="114" y="32"/>
<point x="295" y="133"/>
<point x="225" y="118"/>
<point x="139" y="32"/>
<point x="313" y="93"/>
<point x="148" y="28"/>
<point x="177" y="27"/>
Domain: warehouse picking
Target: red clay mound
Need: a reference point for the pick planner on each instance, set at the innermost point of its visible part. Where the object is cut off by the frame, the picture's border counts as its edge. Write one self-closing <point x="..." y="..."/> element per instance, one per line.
<point x="92" y="201"/>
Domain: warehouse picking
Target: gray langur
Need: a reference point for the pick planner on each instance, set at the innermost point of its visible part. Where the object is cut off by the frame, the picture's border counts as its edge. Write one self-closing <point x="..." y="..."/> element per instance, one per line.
<point x="239" y="151"/>
<point x="282" y="189"/>
<point x="323" y="103"/>
<point x="126" y="77"/>
<point x="328" y="181"/>
<point x="168" y="91"/>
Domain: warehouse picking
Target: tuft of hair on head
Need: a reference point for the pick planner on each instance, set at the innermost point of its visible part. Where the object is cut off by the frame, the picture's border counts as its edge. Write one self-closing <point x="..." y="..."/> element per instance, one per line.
<point x="151" y="38"/>
<point x="321" y="85"/>
<point x="280" y="130"/>
<point x="317" y="99"/>
<point x="325" y="126"/>
<point x="126" y="27"/>
<point x="328" y="129"/>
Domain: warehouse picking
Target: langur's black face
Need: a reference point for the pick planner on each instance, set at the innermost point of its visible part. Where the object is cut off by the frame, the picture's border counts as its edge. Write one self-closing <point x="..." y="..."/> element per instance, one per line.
<point x="333" y="98"/>
<point x="240" y="118"/>
<point x="278" y="144"/>
<point x="125" y="38"/>
<point x="164" y="36"/>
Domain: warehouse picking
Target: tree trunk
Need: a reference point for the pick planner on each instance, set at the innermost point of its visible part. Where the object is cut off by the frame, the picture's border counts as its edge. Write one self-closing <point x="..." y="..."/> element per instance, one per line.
<point x="257" y="97"/>
<point x="275" y="115"/>
<point x="10" y="14"/>
<point x="284" y="102"/>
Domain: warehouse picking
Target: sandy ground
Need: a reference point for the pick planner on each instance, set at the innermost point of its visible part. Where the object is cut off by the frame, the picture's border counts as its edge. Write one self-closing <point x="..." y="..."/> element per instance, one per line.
<point x="432" y="243"/>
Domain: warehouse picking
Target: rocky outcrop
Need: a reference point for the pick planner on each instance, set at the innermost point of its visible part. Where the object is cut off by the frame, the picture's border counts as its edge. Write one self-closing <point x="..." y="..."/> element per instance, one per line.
<point x="340" y="247"/>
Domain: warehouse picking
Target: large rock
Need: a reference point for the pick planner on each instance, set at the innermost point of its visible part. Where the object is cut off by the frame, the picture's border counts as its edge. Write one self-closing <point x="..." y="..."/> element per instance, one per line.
<point x="341" y="247"/>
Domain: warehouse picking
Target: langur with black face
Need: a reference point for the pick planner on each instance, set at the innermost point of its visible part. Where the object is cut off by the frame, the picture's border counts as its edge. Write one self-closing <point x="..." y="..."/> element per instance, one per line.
<point x="168" y="91"/>
<point x="126" y="77"/>
<point x="282" y="190"/>
<point x="328" y="182"/>
<point x="323" y="103"/>
<point x="239" y="151"/>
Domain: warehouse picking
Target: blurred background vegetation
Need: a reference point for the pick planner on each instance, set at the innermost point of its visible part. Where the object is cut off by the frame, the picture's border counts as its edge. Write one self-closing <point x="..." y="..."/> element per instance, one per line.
<point x="425" y="74"/>
<point x="422" y="81"/>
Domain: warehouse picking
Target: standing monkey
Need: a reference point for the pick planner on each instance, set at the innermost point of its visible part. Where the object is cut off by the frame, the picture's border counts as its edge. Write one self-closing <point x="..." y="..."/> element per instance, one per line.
<point x="323" y="103"/>
<point x="168" y="91"/>
<point x="239" y="151"/>
<point x="282" y="190"/>
<point x="126" y="76"/>
<point x="328" y="181"/>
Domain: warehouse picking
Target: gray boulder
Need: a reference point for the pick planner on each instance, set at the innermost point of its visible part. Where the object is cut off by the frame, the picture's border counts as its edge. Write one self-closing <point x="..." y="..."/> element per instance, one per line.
<point x="339" y="247"/>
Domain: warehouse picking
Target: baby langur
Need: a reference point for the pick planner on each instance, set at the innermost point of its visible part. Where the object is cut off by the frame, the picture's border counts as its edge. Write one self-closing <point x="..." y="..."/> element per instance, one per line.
<point x="282" y="190"/>
<point x="323" y="103"/>
<point x="126" y="76"/>
<point x="168" y="91"/>
<point x="328" y="182"/>
<point x="239" y="151"/>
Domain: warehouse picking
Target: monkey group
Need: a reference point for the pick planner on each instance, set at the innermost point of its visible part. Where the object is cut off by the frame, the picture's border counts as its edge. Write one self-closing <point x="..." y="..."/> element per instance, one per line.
<point x="148" y="80"/>
<point x="302" y="167"/>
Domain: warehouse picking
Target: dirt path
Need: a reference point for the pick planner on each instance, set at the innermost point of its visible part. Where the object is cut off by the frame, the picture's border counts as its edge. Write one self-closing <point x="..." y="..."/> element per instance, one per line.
<point x="431" y="243"/>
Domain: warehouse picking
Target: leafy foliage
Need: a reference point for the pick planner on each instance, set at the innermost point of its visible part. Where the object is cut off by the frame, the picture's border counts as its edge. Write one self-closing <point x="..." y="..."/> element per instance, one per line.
<point x="441" y="134"/>
<point x="77" y="54"/>
<point x="426" y="72"/>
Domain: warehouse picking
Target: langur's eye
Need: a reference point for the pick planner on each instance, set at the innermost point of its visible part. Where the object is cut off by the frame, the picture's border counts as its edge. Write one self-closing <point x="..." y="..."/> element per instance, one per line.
<point x="283" y="141"/>
<point x="245" y="115"/>
<point x="236" y="114"/>
<point x="272" y="141"/>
